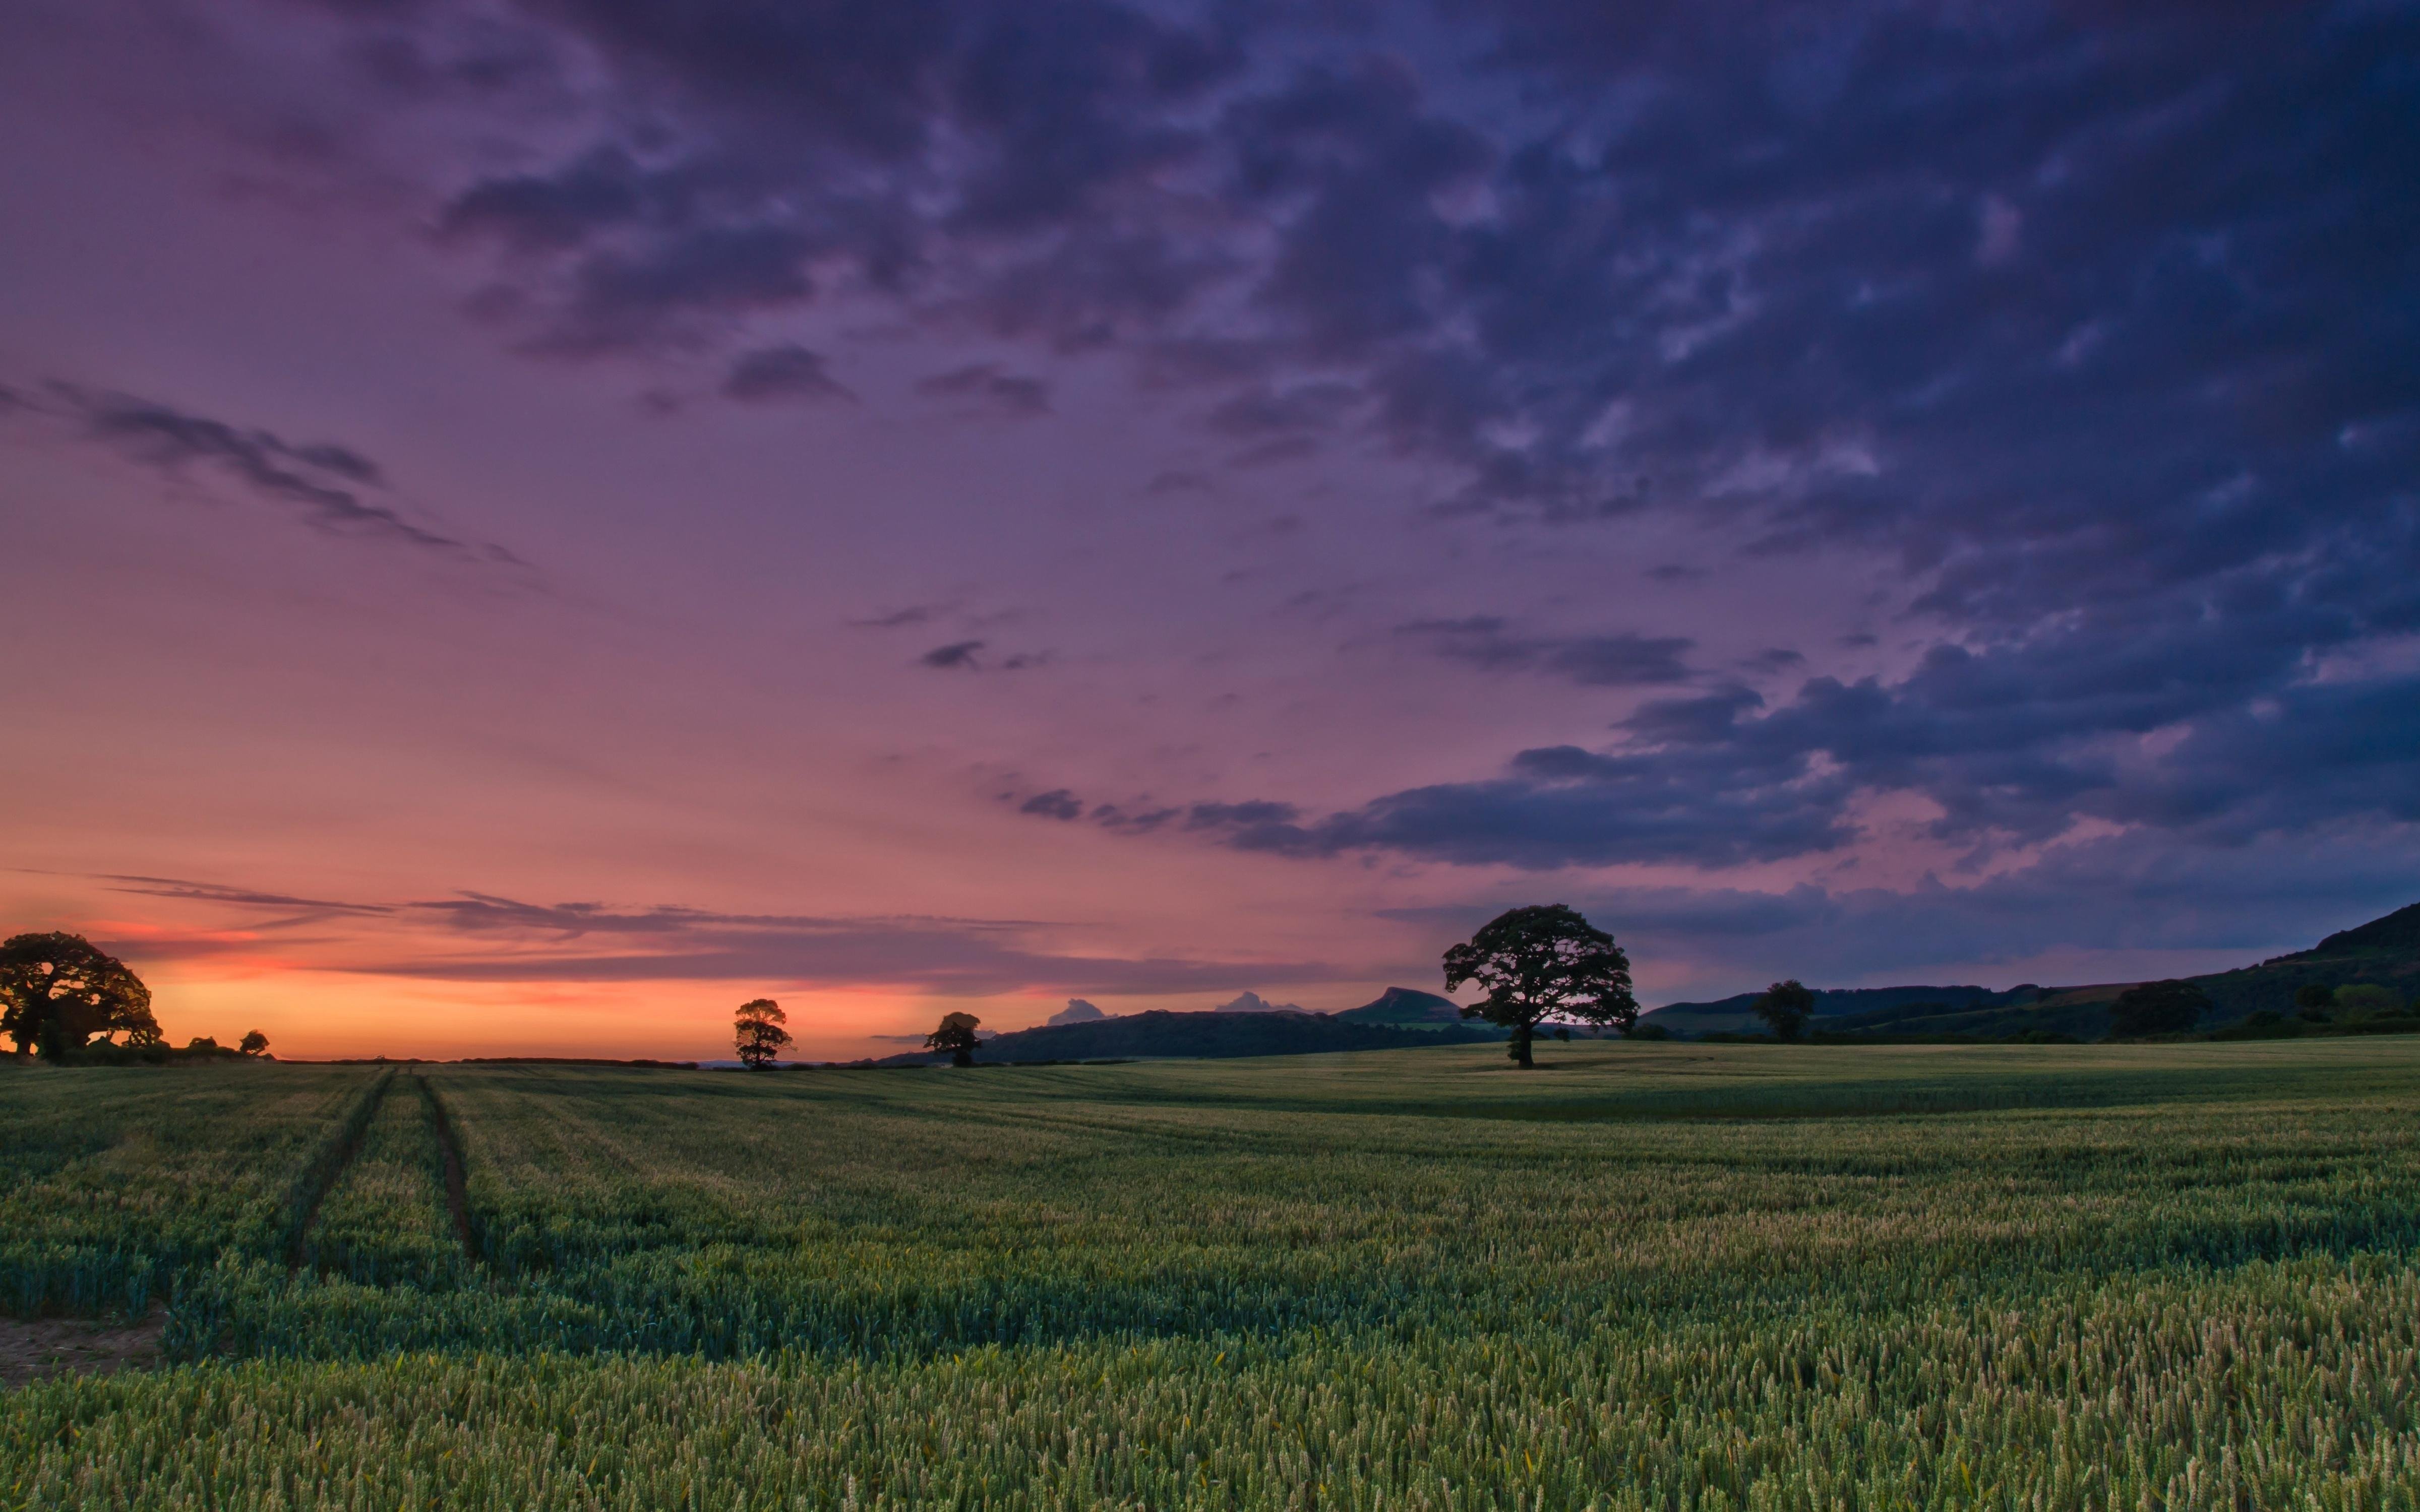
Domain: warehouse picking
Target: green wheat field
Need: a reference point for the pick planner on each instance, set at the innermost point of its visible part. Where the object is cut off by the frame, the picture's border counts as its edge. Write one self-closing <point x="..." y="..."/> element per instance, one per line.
<point x="1645" y="1275"/>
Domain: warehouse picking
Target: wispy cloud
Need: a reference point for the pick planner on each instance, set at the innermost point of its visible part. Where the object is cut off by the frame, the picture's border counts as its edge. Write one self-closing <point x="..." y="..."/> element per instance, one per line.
<point x="328" y="486"/>
<point x="479" y="936"/>
<point x="1623" y="659"/>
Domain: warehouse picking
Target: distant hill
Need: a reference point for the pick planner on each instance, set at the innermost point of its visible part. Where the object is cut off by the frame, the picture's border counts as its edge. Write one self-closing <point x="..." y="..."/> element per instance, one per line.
<point x="1208" y="1036"/>
<point x="1735" y="1015"/>
<point x="1077" y="1011"/>
<point x="1404" y="1008"/>
<point x="1254" y="1003"/>
<point x="2398" y="934"/>
<point x="2384" y="952"/>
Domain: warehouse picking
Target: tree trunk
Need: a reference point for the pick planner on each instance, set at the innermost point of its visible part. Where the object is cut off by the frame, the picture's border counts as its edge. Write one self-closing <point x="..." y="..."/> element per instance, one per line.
<point x="1520" y="1051"/>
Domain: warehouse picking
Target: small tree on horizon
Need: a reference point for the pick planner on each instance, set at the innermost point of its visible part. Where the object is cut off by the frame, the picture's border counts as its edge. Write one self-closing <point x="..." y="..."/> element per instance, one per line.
<point x="59" y="992"/>
<point x="254" y="1043"/>
<point x="760" y="1034"/>
<point x="956" y="1036"/>
<point x="2156" y="1008"/>
<point x="1786" y="1006"/>
<point x="1544" y="962"/>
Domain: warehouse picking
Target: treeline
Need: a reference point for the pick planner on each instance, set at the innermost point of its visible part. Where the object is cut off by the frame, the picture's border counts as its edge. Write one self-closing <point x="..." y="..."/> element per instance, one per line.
<point x="70" y="1002"/>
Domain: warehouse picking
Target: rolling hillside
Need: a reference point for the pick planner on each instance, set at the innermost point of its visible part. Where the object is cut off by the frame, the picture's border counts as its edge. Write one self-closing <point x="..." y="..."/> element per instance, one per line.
<point x="1404" y="1008"/>
<point x="1205" y="1036"/>
<point x="2384" y="952"/>
<point x="1734" y="1014"/>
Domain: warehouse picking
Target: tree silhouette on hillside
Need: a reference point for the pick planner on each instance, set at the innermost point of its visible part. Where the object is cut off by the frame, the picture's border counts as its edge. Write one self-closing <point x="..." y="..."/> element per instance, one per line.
<point x="956" y="1035"/>
<point x="1785" y="1007"/>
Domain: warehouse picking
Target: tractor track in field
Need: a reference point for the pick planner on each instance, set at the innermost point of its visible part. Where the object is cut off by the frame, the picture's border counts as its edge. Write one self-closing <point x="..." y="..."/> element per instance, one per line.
<point x="322" y="1178"/>
<point x="458" y="1199"/>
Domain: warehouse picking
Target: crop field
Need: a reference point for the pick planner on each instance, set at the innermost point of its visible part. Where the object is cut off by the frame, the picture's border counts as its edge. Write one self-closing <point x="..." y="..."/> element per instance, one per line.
<point x="1645" y="1275"/>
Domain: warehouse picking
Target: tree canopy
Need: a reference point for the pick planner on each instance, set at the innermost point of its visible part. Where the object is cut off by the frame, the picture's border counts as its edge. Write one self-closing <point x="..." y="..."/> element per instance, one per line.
<point x="2367" y="997"/>
<point x="254" y="1043"/>
<point x="2157" y="1008"/>
<point x="58" y="992"/>
<point x="1540" y="962"/>
<point x="956" y="1035"/>
<point x="1786" y="1006"/>
<point x="761" y="1037"/>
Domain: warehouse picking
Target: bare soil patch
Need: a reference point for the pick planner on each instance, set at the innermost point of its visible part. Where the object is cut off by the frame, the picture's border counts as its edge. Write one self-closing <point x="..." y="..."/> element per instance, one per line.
<point x="37" y="1349"/>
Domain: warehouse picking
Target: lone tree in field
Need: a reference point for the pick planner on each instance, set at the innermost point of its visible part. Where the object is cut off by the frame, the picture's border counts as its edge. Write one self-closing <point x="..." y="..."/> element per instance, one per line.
<point x="254" y="1043"/>
<point x="1541" y="963"/>
<point x="2156" y="1008"/>
<point x="760" y="1032"/>
<point x="1785" y="1007"/>
<point x="956" y="1035"/>
<point x="58" y="994"/>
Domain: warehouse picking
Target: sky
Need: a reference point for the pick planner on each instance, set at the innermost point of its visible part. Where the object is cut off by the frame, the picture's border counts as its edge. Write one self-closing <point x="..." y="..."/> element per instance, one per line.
<point x="531" y="523"/>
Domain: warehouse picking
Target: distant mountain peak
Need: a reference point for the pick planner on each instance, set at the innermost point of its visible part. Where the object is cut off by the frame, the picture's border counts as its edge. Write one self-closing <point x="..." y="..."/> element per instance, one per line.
<point x="1405" y="1005"/>
<point x="1077" y="1011"/>
<point x="1255" y="1003"/>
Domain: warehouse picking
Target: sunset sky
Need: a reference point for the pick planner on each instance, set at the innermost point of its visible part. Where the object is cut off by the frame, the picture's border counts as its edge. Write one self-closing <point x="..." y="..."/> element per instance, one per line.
<point x="527" y="524"/>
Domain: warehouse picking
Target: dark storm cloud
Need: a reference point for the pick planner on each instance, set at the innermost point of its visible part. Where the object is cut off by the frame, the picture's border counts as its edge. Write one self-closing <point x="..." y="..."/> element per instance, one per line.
<point x="785" y="372"/>
<point x="1621" y="660"/>
<point x="1812" y="262"/>
<point x="2097" y="323"/>
<point x="1561" y="806"/>
<point x="2008" y="296"/>
<point x="326" y="482"/>
<point x="806" y="135"/>
<point x="2204" y="740"/>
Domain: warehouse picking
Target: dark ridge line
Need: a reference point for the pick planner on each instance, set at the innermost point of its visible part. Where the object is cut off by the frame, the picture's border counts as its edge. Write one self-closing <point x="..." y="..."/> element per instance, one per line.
<point x="322" y="1177"/>
<point x="457" y="1196"/>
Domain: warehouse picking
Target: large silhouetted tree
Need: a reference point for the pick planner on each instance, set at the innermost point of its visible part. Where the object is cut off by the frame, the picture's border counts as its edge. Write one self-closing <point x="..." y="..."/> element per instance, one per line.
<point x="760" y="1032"/>
<point x="254" y="1043"/>
<point x="2156" y="1008"/>
<point x="956" y="1035"/>
<point x="1541" y="963"/>
<point x="58" y="994"/>
<point x="1785" y="1007"/>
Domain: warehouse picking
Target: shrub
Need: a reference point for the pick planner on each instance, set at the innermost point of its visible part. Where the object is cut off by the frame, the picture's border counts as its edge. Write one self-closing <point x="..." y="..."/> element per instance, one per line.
<point x="2367" y="997"/>
<point x="2156" y="1008"/>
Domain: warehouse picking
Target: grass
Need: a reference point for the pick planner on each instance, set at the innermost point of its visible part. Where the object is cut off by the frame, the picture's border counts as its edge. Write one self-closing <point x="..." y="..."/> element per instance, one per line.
<point x="118" y="1185"/>
<point x="1653" y="1276"/>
